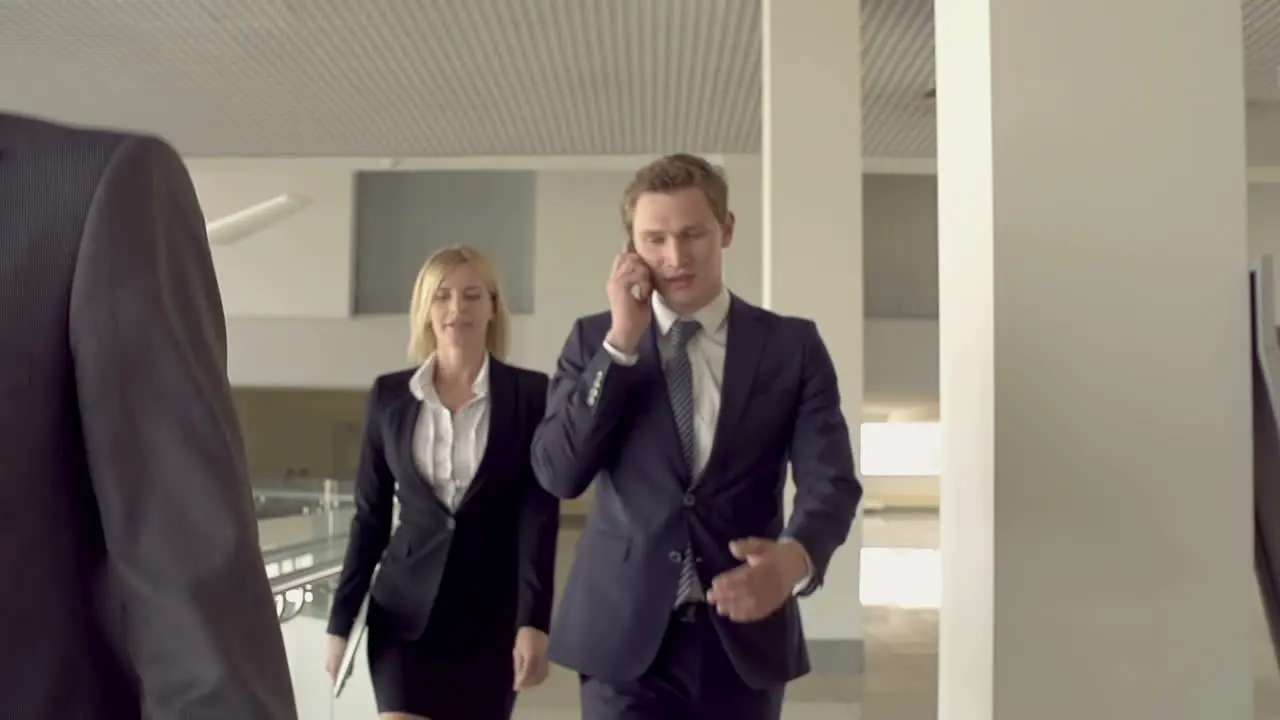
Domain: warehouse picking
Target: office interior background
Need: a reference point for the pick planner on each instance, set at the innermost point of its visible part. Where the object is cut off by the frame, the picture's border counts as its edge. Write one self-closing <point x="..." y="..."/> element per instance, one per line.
<point x="335" y="144"/>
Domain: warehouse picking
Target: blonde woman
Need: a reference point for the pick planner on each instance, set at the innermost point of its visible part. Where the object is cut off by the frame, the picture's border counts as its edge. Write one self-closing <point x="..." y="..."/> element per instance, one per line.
<point x="459" y="611"/>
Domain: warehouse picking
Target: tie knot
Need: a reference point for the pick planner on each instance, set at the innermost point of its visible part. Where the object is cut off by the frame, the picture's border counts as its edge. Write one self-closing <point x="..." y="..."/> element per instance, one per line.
<point x="682" y="332"/>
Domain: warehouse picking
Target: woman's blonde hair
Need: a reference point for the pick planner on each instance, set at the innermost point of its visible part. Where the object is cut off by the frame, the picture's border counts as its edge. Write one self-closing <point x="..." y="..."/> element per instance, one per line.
<point x="422" y="339"/>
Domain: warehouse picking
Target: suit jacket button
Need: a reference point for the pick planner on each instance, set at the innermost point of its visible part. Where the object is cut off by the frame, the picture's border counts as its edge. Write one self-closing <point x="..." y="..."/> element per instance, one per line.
<point x="450" y="523"/>
<point x="689" y="500"/>
<point x="675" y="556"/>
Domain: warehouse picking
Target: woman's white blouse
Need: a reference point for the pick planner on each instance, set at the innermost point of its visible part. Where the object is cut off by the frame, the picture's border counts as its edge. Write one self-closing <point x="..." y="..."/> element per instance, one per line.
<point x="447" y="446"/>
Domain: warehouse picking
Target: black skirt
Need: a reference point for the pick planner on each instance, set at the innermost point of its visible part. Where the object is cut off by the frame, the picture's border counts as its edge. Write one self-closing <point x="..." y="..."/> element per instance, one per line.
<point x="441" y="675"/>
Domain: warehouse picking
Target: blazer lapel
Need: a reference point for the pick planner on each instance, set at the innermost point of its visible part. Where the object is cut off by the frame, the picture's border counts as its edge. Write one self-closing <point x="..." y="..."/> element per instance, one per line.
<point x="404" y="422"/>
<point x="504" y="408"/>
<point x="743" y="348"/>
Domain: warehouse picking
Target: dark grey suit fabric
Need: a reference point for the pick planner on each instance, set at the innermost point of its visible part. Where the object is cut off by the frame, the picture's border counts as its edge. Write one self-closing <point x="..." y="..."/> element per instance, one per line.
<point x="133" y="580"/>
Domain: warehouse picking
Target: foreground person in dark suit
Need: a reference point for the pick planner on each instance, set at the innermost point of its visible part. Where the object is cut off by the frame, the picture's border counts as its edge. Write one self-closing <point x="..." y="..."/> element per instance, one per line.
<point x="128" y="539"/>
<point x="684" y="410"/>
<point x="459" y="611"/>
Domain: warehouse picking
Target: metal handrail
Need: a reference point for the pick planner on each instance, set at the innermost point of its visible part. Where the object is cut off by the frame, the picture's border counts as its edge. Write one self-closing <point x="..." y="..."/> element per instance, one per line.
<point x="310" y="576"/>
<point x="275" y="553"/>
<point x="305" y="580"/>
<point x="294" y="592"/>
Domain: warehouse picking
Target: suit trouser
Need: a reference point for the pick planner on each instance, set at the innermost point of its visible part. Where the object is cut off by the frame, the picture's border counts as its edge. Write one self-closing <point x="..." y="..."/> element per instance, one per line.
<point x="692" y="678"/>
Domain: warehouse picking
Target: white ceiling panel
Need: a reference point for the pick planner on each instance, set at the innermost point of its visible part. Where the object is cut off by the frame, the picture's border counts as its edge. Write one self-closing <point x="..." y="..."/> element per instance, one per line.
<point x="1262" y="50"/>
<point x="394" y="77"/>
<point x="897" y="59"/>
<point x="461" y="77"/>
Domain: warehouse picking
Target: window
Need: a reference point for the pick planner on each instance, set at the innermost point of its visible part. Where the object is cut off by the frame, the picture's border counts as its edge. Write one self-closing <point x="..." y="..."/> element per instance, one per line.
<point x="901" y="449"/>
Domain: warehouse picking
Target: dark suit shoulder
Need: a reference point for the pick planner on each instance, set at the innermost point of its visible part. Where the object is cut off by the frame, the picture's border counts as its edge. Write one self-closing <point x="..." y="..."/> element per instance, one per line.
<point x="392" y="384"/>
<point x="528" y="381"/>
<point x="780" y="327"/>
<point x="91" y="150"/>
<point x="32" y="130"/>
<point x="790" y="325"/>
<point x="594" y="325"/>
<point x="87" y="157"/>
<point x="531" y="378"/>
<point x="39" y="154"/>
<point x="537" y="384"/>
<point x="395" y="377"/>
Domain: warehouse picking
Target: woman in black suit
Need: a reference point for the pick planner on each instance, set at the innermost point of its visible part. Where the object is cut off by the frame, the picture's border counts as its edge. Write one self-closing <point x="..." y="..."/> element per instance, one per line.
<point x="459" y="609"/>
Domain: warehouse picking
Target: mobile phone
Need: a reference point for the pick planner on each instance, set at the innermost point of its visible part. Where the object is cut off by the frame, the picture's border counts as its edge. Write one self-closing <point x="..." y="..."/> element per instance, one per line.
<point x="637" y="291"/>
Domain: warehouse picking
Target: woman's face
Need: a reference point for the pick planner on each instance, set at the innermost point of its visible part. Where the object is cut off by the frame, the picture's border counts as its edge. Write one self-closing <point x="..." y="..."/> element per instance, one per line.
<point x="461" y="309"/>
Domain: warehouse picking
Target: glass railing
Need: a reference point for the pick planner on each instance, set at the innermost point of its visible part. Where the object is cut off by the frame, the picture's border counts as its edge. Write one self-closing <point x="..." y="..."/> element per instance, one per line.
<point x="303" y="532"/>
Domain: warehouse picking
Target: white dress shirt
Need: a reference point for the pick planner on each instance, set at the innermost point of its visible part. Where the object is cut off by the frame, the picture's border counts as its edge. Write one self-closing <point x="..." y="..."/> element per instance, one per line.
<point x="448" y="446"/>
<point x="706" y="359"/>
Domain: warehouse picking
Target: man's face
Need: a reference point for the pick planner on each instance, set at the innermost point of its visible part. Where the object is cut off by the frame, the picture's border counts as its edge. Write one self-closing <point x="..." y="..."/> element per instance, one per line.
<point x="678" y="237"/>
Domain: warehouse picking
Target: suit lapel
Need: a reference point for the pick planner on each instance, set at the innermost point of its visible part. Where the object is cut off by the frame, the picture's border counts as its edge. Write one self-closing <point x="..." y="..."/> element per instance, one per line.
<point x="743" y="348"/>
<point x="504" y="422"/>
<point x="404" y="422"/>
<point x="650" y="357"/>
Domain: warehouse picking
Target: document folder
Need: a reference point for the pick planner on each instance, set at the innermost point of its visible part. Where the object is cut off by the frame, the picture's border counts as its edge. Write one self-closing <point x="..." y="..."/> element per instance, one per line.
<point x="354" y="640"/>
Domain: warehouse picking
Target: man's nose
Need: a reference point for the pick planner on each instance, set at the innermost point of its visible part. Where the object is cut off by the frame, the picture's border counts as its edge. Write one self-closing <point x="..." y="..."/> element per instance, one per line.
<point x="677" y="253"/>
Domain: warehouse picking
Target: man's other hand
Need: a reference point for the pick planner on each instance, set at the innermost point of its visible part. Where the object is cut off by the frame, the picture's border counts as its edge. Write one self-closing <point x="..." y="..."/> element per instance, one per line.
<point x="768" y="575"/>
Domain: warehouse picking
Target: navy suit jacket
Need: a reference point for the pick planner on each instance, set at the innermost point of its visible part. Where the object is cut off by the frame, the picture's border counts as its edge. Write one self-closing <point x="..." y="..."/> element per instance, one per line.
<point x="612" y="425"/>
<point x="493" y="556"/>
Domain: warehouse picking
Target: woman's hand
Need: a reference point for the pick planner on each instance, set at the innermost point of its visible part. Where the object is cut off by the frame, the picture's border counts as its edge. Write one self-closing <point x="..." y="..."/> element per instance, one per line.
<point x="334" y="649"/>
<point x="530" y="657"/>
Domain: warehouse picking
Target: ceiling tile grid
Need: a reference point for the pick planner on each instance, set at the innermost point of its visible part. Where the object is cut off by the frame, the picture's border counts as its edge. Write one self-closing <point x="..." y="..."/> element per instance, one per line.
<point x="462" y="77"/>
<point x="898" y="119"/>
<point x="1262" y="50"/>
<point x="394" y="77"/>
<point x="436" y="77"/>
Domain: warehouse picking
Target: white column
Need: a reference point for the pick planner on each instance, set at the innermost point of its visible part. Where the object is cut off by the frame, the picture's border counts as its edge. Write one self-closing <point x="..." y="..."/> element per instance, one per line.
<point x="1096" y="519"/>
<point x="812" y="239"/>
<point x="743" y="265"/>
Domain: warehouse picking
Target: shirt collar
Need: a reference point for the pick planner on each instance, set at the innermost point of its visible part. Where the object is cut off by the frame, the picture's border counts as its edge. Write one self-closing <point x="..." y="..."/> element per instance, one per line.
<point x="710" y="317"/>
<point x="422" y="387"/>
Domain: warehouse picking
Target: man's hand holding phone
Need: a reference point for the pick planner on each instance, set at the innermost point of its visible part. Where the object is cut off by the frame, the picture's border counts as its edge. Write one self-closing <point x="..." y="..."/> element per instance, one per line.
<point x="629" y="287"/>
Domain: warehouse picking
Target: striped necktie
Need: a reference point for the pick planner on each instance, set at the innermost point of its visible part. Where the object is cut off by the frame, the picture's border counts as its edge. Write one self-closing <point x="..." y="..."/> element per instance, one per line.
<point x="679" y="374"/>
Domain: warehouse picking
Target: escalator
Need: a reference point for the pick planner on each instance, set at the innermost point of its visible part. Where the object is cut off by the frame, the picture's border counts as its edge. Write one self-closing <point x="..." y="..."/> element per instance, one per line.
<point x="1266" y="444"/>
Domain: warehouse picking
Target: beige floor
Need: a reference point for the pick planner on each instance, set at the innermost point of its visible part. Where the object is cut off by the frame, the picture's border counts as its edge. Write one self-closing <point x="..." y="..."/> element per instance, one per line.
<point x="901" y="592"/>
<point x="900" y="683"/>
<point x="900" y="576"/>
<point x="899" y="567"/>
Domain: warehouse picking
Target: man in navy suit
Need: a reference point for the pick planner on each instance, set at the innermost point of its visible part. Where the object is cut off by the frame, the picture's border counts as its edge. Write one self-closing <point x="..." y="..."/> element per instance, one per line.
<point x="684" y="405"/>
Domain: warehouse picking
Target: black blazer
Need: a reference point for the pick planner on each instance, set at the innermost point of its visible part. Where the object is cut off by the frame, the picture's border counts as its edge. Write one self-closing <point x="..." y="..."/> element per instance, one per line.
<point x="611" y="425"/>
<point x="492" y="560"/>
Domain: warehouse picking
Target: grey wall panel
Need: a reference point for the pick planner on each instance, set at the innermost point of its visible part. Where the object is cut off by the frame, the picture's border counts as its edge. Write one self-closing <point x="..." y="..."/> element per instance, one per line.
<point x="403" y="217"/>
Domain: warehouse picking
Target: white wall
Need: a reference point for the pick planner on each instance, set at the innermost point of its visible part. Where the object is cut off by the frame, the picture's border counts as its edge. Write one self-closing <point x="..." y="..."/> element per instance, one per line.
<point x="287" y="291"/>
<point x="300" y="268"/>
<point x="1264" y="221"/>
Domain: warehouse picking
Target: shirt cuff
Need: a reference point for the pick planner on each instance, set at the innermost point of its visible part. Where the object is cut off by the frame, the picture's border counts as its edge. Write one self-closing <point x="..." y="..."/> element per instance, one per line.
<point x="808" y="567"/>
<point x="620" y="357"/>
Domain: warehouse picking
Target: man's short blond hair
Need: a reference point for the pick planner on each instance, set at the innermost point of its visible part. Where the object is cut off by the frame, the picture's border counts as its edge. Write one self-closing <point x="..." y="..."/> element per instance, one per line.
<point x="673" y="173"/>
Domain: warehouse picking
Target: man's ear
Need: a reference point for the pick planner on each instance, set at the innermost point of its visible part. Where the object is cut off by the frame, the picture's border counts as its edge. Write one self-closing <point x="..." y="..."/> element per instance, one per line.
<point x="726" y="238"/>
